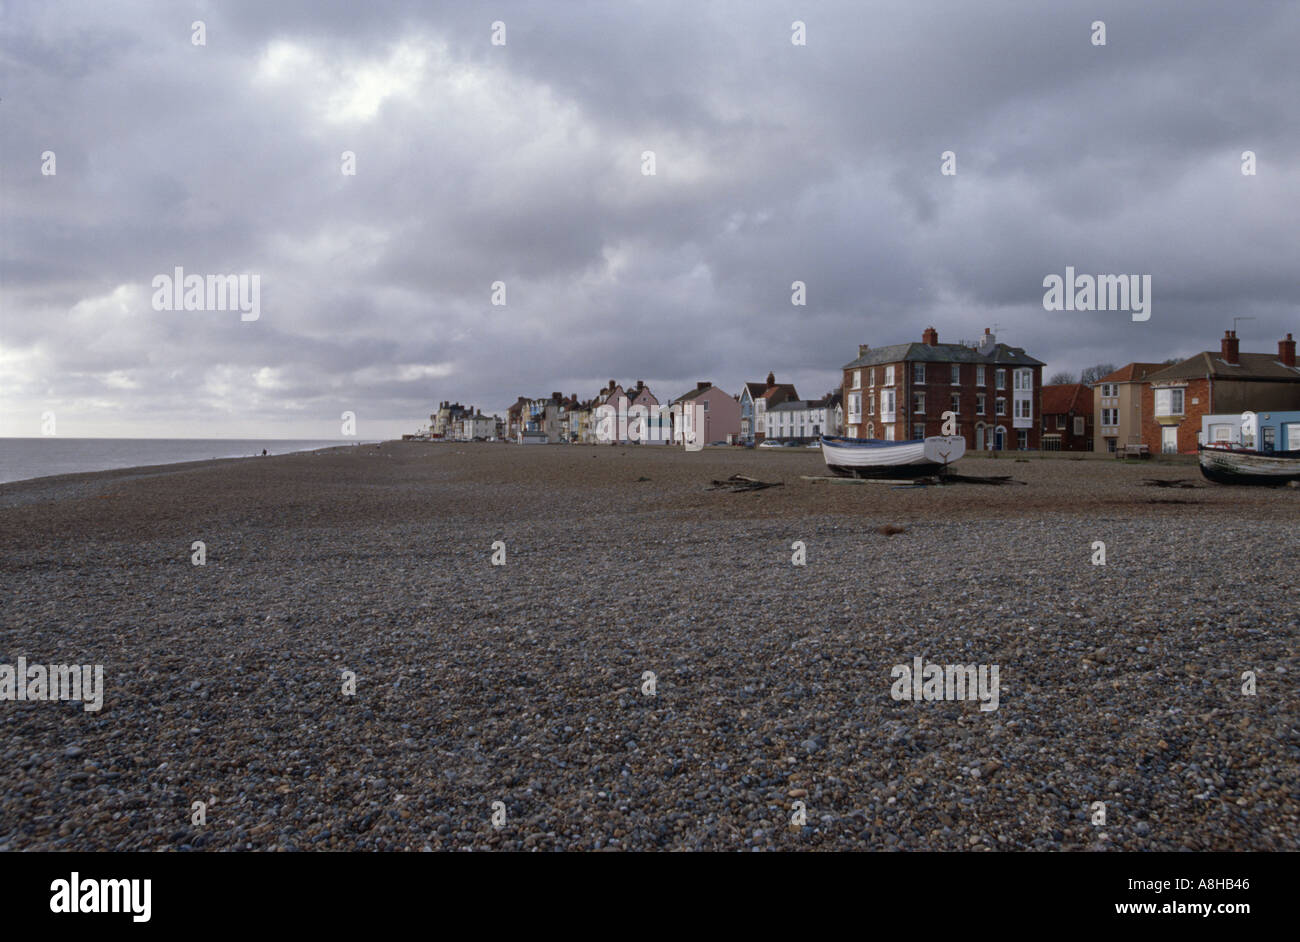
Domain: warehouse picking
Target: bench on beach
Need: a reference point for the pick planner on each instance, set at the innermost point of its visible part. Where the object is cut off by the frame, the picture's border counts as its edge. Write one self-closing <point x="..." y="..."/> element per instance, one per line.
<point x="1133" y="451"/>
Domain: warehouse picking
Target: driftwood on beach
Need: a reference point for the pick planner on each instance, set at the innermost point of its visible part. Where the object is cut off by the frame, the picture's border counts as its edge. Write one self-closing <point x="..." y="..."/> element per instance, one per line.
<point x="738" y="482"/>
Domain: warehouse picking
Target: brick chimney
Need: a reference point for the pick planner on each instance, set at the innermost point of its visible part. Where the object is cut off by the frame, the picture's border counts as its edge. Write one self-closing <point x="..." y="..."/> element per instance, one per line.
<point x="930" y="337"/>
<point x="611" y="385"/>
<point x="639" y="385"/>
<point x="1286" y="351"/>
<point x="863" y="348"/>
<point x="702" y="384"/>
<point x="1230" y="347"/>
<point x="771" y="380"/>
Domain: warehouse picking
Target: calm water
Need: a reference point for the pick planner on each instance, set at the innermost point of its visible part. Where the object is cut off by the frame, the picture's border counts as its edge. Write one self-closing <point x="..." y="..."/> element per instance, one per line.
<point x="22" y="458"/>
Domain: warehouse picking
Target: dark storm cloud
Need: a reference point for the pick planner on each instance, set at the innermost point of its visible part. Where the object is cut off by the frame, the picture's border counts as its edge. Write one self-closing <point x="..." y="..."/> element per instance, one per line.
<point x="521" y="163"/>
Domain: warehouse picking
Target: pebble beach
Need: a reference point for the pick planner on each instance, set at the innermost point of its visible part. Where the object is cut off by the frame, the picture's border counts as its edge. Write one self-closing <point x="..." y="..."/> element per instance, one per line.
<point x="771" y="725"/>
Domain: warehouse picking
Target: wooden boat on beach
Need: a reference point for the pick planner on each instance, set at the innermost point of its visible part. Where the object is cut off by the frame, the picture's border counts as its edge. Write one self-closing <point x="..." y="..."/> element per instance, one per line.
<point x="1227" y="463"/>
<point x="874" y="458"/>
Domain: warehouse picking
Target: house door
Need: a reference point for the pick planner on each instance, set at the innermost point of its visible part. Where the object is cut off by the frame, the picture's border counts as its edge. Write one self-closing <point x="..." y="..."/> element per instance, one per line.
<point x="1169" y="439"/>
<point x="999" y="437"/>
<point x="979" y="438"/>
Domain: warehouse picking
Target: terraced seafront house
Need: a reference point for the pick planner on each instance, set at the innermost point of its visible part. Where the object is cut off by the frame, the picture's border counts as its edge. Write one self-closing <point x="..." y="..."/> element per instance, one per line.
<point x="720" y="411"/>
<point x="1117" y="407"/>
<point x="900" y="392"/>
<point x="755" y="399"/>
<point x="804" y="421"/>
<point x="1067" y="417"/>
<point x="1176" y="398"/>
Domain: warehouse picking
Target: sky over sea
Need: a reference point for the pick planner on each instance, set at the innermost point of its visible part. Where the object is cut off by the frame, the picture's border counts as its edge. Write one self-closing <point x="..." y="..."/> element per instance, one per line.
<point x="523" y="163"/>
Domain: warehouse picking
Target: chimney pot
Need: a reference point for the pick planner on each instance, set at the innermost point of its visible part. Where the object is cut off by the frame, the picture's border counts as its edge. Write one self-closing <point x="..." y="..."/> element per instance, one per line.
<point x="1286" y="351"/>
<point x="1230" y="347"/>
<point x="702" y="384"/>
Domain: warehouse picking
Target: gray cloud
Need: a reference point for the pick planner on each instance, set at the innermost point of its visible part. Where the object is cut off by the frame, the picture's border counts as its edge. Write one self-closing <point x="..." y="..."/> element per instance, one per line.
<point x="522" y="163"/>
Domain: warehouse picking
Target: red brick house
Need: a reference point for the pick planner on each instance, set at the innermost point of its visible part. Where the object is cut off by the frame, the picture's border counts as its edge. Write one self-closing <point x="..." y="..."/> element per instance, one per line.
<point x="1216" y="382"/>
<point x="1067" y="417"/>
<point x="900" y="392"/>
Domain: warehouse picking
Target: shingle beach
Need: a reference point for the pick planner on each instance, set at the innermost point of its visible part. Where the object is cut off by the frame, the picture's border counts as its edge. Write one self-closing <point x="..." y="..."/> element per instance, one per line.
<point x="523" y="683"/>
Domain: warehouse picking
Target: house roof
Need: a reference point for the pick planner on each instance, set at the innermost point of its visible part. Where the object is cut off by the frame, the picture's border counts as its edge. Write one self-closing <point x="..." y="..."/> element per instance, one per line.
<point x="780" y="392"/>
<point x="1253" y="366"/>
<point x="1133" y="373"/>
<point x="1065" y="398"/>
<point x="1000" y="353"/>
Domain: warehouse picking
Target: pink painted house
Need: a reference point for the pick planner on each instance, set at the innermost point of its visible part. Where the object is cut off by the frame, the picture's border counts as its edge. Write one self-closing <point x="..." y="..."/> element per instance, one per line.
<point x="721" y="413"/>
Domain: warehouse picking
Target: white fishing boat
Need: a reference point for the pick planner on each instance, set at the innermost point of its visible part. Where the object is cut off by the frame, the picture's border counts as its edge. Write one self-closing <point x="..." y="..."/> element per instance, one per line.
<point x="874" y="458"/>
<point x="1227" y="463"/>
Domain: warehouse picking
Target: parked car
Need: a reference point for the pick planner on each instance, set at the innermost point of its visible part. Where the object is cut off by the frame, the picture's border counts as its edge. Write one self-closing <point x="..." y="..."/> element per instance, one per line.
<point x="813" y="445"/>
<point x="715" y="444"/>
<point x="771" y="443"/>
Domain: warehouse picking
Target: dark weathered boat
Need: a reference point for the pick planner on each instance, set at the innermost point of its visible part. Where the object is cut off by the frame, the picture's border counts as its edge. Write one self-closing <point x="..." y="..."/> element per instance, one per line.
<point x="1233" y="464"/>
<point x="873" y="458"/>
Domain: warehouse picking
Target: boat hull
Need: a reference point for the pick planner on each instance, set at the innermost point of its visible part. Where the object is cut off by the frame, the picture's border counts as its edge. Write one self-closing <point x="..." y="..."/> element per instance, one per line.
<point x="873" y="458"/>
<point x="1246" y="466"/>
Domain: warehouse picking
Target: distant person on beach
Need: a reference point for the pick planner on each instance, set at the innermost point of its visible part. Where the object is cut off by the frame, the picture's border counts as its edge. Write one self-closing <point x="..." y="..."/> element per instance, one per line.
<point x="263" y="451"/>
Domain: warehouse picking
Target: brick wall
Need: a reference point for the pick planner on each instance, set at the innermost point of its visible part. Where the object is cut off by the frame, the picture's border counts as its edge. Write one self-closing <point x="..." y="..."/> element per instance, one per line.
<point x="1196" y="404"/>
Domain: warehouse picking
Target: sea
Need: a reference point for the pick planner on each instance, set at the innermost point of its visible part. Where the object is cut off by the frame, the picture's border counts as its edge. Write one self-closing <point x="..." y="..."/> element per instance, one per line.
<point x="24" y="458"/>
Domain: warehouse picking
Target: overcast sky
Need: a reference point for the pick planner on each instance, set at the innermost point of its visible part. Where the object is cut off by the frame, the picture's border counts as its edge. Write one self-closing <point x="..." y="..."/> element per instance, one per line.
<point x="522" y="163"/>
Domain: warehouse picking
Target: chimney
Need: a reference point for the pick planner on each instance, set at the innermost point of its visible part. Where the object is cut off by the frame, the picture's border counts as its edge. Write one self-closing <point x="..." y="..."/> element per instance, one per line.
<point x="863" y="348"/>
<point x="1230" y="346"/>
<point x="611" y="385"/>
<point x="930" y="337"/>
<point x="1286" y="351"/>
<point x="771" y="379"/>
<point x="640" y="385"/>
<point x="702" y="384"/>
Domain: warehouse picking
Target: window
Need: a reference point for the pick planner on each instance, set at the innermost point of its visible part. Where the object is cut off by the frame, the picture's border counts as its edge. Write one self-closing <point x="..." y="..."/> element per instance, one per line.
<point x="889" y="433"/>
<point x="918" y="403"/>
<point x="1002" y="379"/>
<point x="871" y="430"/>
<point x="1023" y="439"/>
<point x="1109" y="390"/>
<point x="1169" y="401"/>
<point x="1220" y="433"/>
<point x="887" y="397"/>
<point x="1060" y="422"/>
<point x="956" y="375"/>
<point x="1023" y="407"/>
<point x="706" y="405"/>
<point x="918" y="373"/>
<point x="979" y="376"/>
<point x="979" y="402"/>
<point x="956" y="404"/>
<point x="1024" y="380"/>
<point x="918" y="431"/>
<point x="889" y="376"/>
<point x="871" y="403"/>
<point x="1079" y="425"/>
<point x="1002" y="406"/>
<point x="871" y="376"/>
<point x="857" y="379"/>
<point x="1111" y="444"/>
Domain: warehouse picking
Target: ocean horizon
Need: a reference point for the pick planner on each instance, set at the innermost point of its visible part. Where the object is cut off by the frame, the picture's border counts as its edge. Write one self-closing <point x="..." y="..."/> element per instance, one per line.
<point x="22" y="459"/>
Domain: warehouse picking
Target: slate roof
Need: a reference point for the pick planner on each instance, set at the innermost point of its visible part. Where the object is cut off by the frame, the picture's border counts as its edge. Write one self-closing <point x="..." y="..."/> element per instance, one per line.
<point x="1253" y="366"/>
<point x="1000" y="354"/>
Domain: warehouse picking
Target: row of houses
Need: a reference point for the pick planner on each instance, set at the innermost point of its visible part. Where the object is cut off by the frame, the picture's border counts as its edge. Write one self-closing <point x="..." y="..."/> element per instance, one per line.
<point x="991" y="392"/>
<point x="996" y="396"/>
